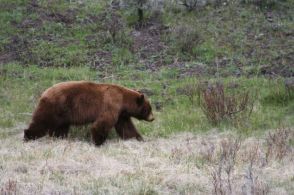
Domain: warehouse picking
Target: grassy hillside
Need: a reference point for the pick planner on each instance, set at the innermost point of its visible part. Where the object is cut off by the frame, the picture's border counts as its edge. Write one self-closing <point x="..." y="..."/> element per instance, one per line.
<point x="238" y="38"/>
<point x="215" y="71"/>
<point x="165" y="55"/>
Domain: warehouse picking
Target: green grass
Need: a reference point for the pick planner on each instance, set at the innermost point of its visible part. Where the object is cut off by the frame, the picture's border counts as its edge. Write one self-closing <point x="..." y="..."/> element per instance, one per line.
<point x="21" y="88"/>
<point x="55" y="50"/>
<point x="238" y="34"/>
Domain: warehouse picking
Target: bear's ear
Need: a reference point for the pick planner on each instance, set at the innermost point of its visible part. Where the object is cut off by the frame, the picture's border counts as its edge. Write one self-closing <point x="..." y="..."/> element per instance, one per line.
<point x="138" y="90"/>
<point x="140" y="100"/>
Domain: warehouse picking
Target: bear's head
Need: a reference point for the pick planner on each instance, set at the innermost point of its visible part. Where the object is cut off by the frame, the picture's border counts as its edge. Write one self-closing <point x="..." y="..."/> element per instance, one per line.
<point x="29" y="134"/>
<point x="144" y="109"/>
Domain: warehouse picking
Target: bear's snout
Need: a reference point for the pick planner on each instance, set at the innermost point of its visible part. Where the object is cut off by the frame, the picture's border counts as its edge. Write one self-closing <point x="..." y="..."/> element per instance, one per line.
<point x="26" y="136"/>
<point x="150" y="117"/>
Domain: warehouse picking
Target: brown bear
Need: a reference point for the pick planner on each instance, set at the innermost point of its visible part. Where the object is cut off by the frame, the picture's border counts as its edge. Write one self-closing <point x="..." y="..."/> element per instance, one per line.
<point x="82" y="102"/>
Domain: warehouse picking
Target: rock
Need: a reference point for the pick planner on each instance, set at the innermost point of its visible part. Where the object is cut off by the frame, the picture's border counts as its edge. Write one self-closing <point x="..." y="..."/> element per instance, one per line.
<point x="158" y="106"/>
<point x="146" y="91"/>
<point x="21" y="169"/>
<point x="289" y="84"/>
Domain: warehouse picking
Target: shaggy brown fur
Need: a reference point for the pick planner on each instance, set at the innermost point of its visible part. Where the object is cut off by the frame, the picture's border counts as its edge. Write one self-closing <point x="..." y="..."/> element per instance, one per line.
<point x="81" y="102"/>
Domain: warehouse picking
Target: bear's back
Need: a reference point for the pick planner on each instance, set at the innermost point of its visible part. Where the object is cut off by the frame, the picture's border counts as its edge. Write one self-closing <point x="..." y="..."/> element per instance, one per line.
<point x="82" y="101"/>
<point x="77" y="91"/>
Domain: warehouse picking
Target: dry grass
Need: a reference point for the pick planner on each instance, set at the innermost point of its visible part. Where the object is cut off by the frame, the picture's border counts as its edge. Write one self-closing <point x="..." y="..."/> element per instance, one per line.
<point x="181" y="164"/>
<point x="277" y="143"/>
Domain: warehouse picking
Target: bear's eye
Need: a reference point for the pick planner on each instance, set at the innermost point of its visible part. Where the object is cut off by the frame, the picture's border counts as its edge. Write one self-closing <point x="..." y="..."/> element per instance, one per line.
<point x="144" y="111"/>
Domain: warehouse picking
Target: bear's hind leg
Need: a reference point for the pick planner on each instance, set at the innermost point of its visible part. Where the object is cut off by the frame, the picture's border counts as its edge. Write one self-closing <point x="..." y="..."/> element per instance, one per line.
<point x="126" y="129"/>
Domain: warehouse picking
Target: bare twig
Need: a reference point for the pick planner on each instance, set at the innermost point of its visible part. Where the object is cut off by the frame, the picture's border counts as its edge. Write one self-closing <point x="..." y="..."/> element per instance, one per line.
<point x="277" y="144"/>
<point x="226" y="164"/>
<point x="189" y="4"/>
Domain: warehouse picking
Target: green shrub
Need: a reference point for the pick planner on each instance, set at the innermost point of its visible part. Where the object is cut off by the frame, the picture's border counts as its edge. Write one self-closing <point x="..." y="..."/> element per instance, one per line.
<point x="51" y="54"/>
<point x="184" y="38"/>
<point x="262" y="4"/>
<point x="205" y="52"/>
<point x="121" y="56"/>
<point x="278" y="94"/>
<point x="112" y="30"/>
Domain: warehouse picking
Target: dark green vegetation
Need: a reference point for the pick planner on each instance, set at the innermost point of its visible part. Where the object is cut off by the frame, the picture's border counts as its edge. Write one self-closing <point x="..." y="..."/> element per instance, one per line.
<point x="247" y="47"/>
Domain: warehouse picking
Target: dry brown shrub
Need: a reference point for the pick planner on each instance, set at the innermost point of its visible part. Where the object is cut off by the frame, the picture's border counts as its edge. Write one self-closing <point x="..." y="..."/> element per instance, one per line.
<point x="219" y="105"/>
<point x="278" y="144"/>
<point x="208" y="152"/>
<point x="253" y="184"/>
<point x="10" y="187"/>
<point x="189" y="4"/>
<point x="225" y="165"/>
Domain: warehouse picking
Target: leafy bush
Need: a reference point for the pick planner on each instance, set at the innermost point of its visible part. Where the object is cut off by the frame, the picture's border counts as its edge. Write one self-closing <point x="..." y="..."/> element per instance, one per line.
<point x="112" y="31"/>
<point x="206" y="52"/>
<point x="111" y="22"/>
<point x="262" y="4"/>
<point x="121" y="56"/>
<point x="189" y="4"/>
<point x="185" y="38"/>
<point x="51" y="54"/>
<point x="137" y="6"/>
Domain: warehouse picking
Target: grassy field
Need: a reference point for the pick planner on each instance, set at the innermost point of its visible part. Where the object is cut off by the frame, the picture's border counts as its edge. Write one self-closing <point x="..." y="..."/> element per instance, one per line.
<point x="175" y="112"/>
<point x="169" y="161"/>
<point x="182" y="60"/>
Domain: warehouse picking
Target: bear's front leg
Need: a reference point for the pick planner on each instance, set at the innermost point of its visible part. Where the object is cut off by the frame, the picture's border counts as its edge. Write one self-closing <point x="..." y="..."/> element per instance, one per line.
<point x="126" y="129"/>
<point x="101" y="129"/>
<point x="59" y="132"/>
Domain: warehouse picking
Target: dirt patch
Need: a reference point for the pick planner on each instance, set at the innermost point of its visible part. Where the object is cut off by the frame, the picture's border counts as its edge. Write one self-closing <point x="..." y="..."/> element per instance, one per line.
<point x="6" y="57"/>
<point x="67" y="17"/>
<point x="17" y="49"/>
<point x="19" y="46"/>
<point x="190" y="69"/>
<point x="148" y="45"/>
<point x="30" y="23"/>
<point x="283" y="65"/>
<point x="101" y="60"/>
